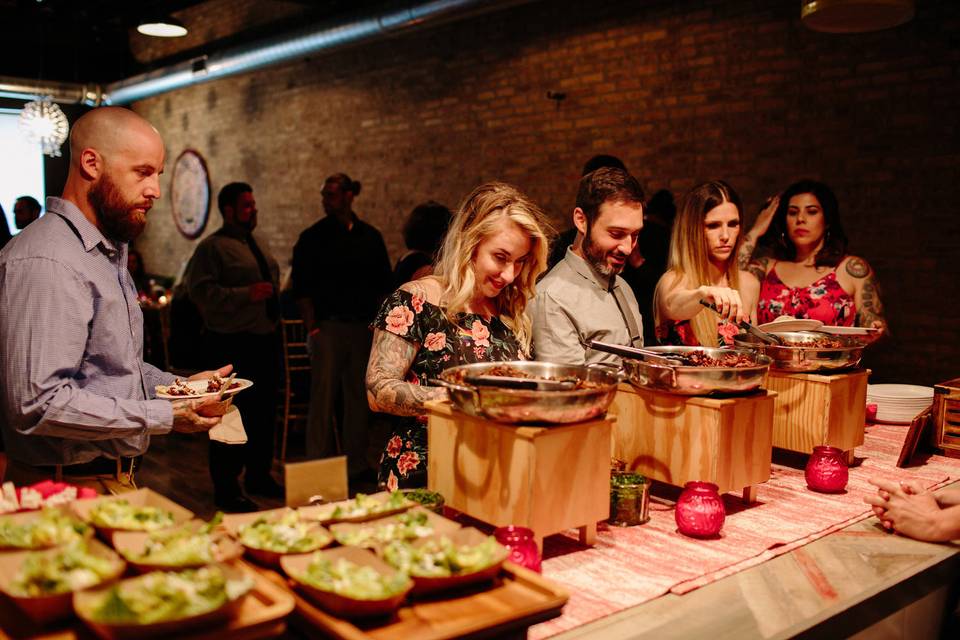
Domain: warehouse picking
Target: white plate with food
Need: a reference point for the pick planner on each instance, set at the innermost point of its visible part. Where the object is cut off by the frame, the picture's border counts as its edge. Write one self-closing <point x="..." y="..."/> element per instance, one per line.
<point x="789" y="323"/>
<point x="192" y="389"/>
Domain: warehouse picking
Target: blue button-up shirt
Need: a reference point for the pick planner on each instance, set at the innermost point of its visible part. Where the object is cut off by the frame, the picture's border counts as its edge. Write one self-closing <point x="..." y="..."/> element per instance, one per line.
<point x="75" y="386"/>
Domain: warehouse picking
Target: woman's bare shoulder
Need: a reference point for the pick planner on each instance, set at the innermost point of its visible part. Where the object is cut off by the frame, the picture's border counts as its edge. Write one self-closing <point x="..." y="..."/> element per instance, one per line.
<point x="429" y="288"/>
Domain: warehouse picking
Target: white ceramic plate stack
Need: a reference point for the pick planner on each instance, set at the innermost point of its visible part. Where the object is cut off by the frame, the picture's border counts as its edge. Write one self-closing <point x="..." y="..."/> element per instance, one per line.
<point x="899" y="403"/>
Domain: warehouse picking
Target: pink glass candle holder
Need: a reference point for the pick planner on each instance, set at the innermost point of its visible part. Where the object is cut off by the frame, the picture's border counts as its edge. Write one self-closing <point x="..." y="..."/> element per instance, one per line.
<point x="826" y="470"/>
<point x="523" y="548"/>
<point x="700" y="512"/>
<point x="871" y="413"/>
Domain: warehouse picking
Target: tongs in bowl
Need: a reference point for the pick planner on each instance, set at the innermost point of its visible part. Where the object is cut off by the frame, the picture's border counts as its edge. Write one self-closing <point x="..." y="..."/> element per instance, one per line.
<point x="653" y="357"/>
<point x="765" y="337"/>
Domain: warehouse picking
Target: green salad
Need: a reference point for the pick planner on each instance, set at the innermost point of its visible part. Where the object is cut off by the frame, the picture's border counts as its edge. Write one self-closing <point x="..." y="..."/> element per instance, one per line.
<point x="354" y="581"/>
<point x="441" y="558"/>
<point x="183" y="546"/>
<point x="52" y="527"/>
<point x="364" y="505"/>
<point x="407" y="526"/>
<point x="71" y="568"/>
<point x="120" y="514"/>
<point x="161" y="596"/>
<point x="286" y="534"/>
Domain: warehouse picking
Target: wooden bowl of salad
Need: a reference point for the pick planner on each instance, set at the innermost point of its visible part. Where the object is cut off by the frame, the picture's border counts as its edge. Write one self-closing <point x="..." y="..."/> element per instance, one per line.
<point x="267" y="536"/>
<point x="348" y="582"/>
<point x="415" y="523"/>
<point x="448" y="560"/>
<point x="140" y="510"/>
<point x="34" y="530"/>
<point x="360" y="509"/>
<point x="193" y="544"/>
<point x="164" y="603"/>
<point x="42" y="583"/>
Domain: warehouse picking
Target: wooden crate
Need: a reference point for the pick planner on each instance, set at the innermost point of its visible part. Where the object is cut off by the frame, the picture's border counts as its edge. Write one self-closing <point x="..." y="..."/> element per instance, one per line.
<point x="946" y="417"/>
<point x="549" y="479"/>
<point x="677" y="439"/>
<point x="507" y="607"/>
<point x="263" y="614"/>
<point x="814" y="409"/>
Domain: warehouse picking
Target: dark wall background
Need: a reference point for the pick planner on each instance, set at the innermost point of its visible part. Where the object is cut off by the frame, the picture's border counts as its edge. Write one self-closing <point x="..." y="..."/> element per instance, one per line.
<point x="682" y="91"/>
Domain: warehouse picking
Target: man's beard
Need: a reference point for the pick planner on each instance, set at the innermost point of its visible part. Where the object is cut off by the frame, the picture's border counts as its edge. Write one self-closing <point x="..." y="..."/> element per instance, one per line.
<point x="114" y="214"/>
<point x="597" y="257"/>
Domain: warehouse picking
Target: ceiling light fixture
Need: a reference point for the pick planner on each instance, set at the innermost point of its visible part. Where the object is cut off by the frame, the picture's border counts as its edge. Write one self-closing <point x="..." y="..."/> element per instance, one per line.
<point x="43" y="121"/>
<point x="162" y="27"/>
<point x="855" y="16"/>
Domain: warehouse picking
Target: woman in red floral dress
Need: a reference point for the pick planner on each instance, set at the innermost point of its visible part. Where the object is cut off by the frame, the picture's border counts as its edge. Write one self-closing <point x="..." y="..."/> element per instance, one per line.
<point x="803" y="269"/>
<point x="471" y="310"/>
<point x="702" y="266"/>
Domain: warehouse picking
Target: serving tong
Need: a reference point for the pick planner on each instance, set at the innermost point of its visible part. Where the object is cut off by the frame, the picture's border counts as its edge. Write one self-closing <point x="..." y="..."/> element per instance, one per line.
<point x="511" y="382"/>
<point x="768" y="338"/>
<point x="653" y="357"/>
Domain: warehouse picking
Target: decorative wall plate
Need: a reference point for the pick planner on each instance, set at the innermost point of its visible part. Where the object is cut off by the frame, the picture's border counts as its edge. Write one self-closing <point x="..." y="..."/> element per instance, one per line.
<point x="190" y="193"/>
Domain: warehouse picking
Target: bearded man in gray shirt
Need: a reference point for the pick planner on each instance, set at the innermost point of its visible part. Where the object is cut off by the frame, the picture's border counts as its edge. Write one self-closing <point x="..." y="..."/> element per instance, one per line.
<point x="77" y="399"/>
<point x="582" y="298"/>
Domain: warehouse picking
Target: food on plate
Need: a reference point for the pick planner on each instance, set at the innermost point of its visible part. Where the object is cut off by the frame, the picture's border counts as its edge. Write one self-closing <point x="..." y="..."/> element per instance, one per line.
<point x="163" y="596"/>
<point x="426" y="498"/>
<point x="351" y="580"/>
<point x="215" y="384"/>
<point x="441" y="558"/>
<point x="364" y="505"/>
<point x="71" y="568"/>
<point x="183" y="388"/>
<point x="406" y="526"/>
<point x="120" y="514"/>
<point x="178" y="388"/>
<point x="183" y="546"/>
<point x="51" y="528"/>
<point x="287" y="533"/>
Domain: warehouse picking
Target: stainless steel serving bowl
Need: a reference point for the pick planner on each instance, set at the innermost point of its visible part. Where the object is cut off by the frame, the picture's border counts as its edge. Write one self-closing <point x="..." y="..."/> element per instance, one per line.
<point x="803" y="354"/>
<point x="698" y="381"/>
<point x="518" y="406"/>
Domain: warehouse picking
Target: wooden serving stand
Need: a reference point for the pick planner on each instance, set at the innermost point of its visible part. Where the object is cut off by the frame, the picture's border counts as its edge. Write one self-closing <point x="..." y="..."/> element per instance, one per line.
<point x="547" y="478"/>
<point x="677" y="439"/>
<point x="815" y="409"/>
<point x="946" y="417"/>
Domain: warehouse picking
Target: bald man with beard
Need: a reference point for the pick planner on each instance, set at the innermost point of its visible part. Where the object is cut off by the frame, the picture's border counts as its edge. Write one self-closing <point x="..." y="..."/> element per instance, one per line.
<point x="77" y="399"/>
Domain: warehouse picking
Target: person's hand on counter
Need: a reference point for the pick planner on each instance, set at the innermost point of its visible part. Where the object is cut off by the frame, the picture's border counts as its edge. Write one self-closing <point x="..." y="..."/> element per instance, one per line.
<point x="910" y="510"/>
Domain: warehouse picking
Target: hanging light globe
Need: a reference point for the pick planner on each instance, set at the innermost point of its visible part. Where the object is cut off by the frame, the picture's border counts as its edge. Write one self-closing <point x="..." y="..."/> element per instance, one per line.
<point x="43" y="121"/>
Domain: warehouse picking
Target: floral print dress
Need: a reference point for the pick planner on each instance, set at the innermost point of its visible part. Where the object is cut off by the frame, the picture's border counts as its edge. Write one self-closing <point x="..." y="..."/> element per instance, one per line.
<point x="442" y="344"/>
<point x="824" y="300"/>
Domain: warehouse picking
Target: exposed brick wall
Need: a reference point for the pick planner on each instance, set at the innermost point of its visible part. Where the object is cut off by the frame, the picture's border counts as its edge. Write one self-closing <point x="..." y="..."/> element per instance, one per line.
<point x="682" y="91"/>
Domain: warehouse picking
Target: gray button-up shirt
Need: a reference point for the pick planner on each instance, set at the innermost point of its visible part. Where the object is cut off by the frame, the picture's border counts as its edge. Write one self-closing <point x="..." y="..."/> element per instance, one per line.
<point x="219" y="277"/>
<point x="574" y="305"/>
<point x="75" y="386"/>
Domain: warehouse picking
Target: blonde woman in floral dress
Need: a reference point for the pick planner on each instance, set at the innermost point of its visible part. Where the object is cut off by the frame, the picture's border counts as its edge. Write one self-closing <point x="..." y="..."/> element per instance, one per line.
<point x="471" y="310"/>
<point x="703" y="266"/>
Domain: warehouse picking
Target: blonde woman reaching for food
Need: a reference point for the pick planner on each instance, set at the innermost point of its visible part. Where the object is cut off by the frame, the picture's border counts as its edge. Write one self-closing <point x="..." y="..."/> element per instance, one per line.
<point x="703" y="266"/>
<point x="471" y="310"/>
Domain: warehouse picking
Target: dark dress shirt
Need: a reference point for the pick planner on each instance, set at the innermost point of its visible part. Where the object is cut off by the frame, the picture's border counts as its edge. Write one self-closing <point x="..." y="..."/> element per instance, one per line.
<point x="346" y="273"/>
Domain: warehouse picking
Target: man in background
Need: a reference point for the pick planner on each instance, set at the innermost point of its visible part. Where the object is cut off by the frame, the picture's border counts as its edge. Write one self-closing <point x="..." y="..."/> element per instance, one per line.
<point x="341" y="274"/>
<point x="25" y="210"/>
<point x="233" y="280"/>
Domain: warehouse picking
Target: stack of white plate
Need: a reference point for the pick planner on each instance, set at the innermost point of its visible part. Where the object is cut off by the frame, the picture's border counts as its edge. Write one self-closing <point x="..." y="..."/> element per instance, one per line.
<point x="899" y="403"/>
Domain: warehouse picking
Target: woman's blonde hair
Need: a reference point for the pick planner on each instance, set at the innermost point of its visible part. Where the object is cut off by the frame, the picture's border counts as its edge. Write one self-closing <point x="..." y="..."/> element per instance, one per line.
<point x="689" y="255"/>
<point x="476" y="219"/>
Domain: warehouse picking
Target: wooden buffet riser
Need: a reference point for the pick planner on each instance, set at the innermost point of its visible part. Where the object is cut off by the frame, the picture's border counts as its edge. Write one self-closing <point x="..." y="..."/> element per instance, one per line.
<point x="677" y="439"/>
<point x="517" y="599"/>
<point x="549" y="479"/>
<point x="813" y="409"/>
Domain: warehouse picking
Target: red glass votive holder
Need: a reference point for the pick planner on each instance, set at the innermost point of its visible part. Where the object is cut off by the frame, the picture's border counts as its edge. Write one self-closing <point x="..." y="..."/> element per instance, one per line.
<point x="826" y="470"/>
<point x="700" y="512"/>
<point x="523" y="548"/>
<point x="871" y="413"/>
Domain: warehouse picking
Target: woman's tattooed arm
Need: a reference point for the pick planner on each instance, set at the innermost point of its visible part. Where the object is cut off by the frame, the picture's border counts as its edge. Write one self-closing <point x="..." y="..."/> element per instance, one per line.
<point x="866" y="294"/>
<point x="390" y="359"/>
